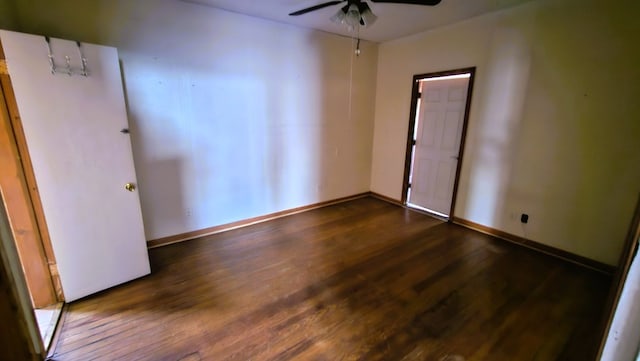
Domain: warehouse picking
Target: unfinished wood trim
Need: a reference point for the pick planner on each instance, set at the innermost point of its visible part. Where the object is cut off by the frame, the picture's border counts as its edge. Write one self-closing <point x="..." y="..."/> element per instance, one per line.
<point x="55" y="280"/>
<point x="3" y="63"/>
<point x="21" y="216"/>
<point x="624" y="264"/>
<point x="246" y="222"/>
<point x="543" y="248"/>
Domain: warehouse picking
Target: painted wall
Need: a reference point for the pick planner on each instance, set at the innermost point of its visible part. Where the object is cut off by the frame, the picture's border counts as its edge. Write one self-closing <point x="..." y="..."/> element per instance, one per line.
<point x="8" y="18"/>
<point x="554" y="123"/>
<point x="231" y="117"/>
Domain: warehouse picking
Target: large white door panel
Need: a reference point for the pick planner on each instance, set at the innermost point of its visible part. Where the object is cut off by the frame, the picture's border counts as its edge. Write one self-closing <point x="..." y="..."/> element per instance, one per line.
<point x="81" y="161"/>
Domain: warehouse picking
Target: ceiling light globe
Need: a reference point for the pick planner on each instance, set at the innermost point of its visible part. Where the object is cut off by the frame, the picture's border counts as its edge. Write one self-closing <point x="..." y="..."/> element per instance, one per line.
<point x="352" y="18"/>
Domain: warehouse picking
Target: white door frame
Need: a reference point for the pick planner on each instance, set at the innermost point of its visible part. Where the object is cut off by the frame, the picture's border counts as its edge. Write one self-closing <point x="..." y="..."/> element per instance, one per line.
<point x="415" y="94"/>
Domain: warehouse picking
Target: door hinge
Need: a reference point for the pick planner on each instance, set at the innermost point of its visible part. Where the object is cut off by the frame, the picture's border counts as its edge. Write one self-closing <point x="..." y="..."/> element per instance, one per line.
<point x="413" y="142"/>
<point x="419" y="95"/>
<point x="409" y="185"/>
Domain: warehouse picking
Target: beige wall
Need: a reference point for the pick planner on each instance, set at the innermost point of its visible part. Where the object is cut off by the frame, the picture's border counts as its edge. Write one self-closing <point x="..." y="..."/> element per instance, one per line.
<point x="232" y="117"/>
<point x="554" y="127"/>
<point x="8" y="18"/>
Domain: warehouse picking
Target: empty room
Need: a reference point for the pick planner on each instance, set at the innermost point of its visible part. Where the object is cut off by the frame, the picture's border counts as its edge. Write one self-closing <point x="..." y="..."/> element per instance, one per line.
<point x="441" y="180"/>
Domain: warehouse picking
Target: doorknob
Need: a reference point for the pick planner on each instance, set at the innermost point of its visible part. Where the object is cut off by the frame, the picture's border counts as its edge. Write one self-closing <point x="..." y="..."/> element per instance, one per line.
<point x="130" y="187"/>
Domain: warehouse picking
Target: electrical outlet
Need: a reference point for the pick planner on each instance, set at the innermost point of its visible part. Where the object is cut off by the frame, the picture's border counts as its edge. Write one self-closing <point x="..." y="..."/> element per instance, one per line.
<point x="187" y="212"/>
<point x="524" y="218"/>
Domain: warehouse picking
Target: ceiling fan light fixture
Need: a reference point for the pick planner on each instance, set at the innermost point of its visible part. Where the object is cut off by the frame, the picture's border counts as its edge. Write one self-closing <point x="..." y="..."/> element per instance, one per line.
<point x="338" y="18"/>
<point x="352" y="17"/>
<point x="367" y="17"/>
<point x="357" y="13"/>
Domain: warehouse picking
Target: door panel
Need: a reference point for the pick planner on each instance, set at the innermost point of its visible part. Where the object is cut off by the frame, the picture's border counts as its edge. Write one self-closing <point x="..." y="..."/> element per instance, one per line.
<point x="440" y="123"/>
<point x="81" y="161"/>
<point x="451" y="134"/>
<point x="444" y="180"/>
<point x="428" y="131"/>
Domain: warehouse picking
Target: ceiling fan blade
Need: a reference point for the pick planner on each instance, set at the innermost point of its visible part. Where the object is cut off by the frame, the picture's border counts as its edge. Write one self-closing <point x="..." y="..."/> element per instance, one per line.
<point x="316" y="7"/>
<point x="414" y="2"/>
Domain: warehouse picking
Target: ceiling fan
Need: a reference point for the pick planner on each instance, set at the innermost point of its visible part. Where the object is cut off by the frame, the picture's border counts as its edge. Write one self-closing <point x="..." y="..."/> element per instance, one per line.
<point x="358" y="12"/>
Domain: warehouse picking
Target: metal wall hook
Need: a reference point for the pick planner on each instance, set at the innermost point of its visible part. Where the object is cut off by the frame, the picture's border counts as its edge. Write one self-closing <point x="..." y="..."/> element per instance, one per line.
<point x="83" y="59"/>
<point x="51" y="60"/>
<point x="67" y="69"/>
<point x="67" y="60"/>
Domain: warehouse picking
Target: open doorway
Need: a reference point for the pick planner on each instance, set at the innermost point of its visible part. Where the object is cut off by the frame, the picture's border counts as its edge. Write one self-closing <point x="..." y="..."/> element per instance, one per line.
<point x="437" y="128"/>
<point x="25" y="216"/>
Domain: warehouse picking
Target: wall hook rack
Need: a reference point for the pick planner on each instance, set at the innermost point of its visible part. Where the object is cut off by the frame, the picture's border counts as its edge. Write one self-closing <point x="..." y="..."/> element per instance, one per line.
<point x="67" y="68"/>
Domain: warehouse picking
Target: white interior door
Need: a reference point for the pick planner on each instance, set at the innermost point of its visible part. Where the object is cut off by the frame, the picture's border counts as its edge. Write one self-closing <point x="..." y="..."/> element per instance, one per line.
<point x="437" y="143"/>
<point x="81" y="161"/>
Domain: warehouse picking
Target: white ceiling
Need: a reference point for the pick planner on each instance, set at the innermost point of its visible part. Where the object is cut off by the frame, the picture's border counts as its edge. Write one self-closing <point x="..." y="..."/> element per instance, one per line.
<point x="394" y="20"/>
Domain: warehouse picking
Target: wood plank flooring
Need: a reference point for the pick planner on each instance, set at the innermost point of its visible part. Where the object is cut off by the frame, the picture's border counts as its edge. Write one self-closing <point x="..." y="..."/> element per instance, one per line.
<point x="362" y="280"/>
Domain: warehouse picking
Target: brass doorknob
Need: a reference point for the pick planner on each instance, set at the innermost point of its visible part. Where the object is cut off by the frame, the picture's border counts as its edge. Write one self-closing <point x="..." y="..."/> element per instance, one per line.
<point x="130" y="187"/>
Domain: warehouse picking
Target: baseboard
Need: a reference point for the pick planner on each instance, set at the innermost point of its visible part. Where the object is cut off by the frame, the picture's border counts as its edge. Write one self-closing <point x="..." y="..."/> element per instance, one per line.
<point x="246" y="222"/>
<point x="552" y="251"/>
<point x="386" y="199"/>
<point x="396" y="202"/>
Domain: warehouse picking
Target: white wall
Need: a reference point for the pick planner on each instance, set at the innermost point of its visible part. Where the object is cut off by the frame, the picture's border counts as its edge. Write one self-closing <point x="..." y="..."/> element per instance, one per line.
<point x="554" y="122"/>
<point x="231" y="116"/>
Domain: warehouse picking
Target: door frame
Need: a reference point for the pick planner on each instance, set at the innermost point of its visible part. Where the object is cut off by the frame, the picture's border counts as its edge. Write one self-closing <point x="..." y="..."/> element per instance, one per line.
<point x="19" y="338"/>
<point x="415" y="95"/>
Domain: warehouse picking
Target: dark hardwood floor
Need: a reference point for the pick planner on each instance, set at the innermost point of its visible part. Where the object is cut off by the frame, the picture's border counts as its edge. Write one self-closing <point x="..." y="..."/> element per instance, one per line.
<point x="362" y="280"/>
